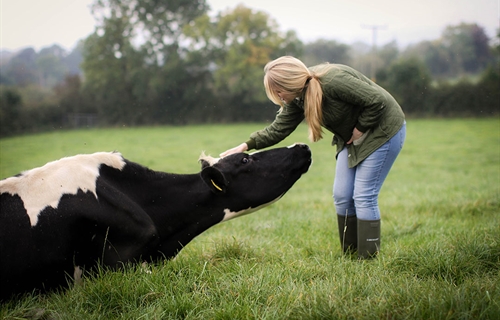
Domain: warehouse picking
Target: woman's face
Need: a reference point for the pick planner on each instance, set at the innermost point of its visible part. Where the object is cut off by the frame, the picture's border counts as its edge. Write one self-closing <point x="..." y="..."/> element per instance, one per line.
<point x="286" y="97"/>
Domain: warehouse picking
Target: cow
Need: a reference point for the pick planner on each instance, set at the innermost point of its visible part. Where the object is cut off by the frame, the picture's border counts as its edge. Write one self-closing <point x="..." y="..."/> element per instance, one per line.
<point x="102" y="209"/>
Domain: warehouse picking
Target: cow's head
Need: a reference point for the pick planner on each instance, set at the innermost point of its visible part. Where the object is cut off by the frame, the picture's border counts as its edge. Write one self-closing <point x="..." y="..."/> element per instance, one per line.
<point x="247" y="182"/>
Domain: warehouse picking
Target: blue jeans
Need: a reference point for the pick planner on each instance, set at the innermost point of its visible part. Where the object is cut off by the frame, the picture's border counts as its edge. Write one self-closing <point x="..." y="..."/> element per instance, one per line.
<point x="356" y="190"/>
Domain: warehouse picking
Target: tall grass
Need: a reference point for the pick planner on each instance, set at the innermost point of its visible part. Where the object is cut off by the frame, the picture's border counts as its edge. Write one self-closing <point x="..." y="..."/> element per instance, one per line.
<point x="440" y="255"/>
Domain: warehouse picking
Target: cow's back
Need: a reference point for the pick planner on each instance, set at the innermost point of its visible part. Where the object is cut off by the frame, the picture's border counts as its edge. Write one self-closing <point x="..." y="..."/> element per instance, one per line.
<point x="44" y="225"/>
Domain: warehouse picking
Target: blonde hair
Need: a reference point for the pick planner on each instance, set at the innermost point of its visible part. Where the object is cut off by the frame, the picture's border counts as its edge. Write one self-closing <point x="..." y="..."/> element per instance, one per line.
<point x="290" y="75"/>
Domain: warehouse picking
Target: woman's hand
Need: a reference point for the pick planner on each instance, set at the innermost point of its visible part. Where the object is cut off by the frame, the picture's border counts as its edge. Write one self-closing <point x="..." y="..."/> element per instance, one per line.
<point x="241" y="148"/>
<point x="356" y="134"/>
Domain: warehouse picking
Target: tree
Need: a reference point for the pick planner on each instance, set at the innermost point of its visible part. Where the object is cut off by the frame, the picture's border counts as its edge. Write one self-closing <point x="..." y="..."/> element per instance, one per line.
<point x="21" y="69"/>
<point x="490" y="82"/>
<point x="387" y="54"/>
<point x="361" y="57"/>
<point x="468" y="47"/>
<point x="45" y="69"/>
<point x="73" y="60"/>
<point x="50" y="66"/>
<point x="125" y="72"/>
<point x="70" y="96"/>
<point x="323" y="50"/>
<point x="10" y="104"/>
<point x="235" y="46"/>
<point x="461" y="49"/>
<point x="408" y="80"/>
<point x="437" y="58"/>
<point x="108" y="66"/>
<point x="366" y="59"/>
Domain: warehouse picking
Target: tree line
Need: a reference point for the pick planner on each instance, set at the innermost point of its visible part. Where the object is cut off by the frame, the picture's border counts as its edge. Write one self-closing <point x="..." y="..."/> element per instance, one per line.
<point x="169" y="62"/>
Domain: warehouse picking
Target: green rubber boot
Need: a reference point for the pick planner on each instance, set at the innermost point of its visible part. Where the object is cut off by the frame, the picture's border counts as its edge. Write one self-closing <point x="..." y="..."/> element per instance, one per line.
<point x="348" y="232"/>
<point x="368" y="239"/>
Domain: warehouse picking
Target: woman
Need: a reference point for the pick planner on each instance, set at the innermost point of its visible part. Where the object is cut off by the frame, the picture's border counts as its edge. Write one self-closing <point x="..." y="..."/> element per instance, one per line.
<point x="369" y="131"/>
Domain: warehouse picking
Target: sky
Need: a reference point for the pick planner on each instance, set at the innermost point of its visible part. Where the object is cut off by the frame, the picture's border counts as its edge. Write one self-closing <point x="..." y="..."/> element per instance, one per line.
<point x="38" y="24"/>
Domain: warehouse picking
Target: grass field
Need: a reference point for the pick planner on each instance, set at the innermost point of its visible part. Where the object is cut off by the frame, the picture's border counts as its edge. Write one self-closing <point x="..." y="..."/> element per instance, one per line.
<point x="440" y="256"/>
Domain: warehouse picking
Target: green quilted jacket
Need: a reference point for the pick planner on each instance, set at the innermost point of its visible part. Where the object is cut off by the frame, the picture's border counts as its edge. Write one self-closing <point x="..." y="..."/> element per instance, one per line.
<point x="350" y="100"/>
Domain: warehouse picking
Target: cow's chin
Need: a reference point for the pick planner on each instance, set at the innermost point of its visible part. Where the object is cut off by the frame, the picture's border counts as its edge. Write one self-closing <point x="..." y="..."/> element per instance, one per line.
<point x="230" y="214"/>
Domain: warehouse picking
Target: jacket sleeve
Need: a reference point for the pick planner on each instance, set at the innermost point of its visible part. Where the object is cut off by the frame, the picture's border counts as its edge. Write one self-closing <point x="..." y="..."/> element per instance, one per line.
<point x="363" y="93"/>
<point x="283" y="125"/>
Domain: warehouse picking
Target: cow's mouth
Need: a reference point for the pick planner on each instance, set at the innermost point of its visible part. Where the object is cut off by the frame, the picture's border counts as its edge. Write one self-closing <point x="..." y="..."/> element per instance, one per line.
<point x="304" y="161"/>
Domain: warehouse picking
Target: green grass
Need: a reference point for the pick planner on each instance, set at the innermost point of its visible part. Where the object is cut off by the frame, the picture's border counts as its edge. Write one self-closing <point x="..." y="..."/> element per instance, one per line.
<point x="440" y="255"/>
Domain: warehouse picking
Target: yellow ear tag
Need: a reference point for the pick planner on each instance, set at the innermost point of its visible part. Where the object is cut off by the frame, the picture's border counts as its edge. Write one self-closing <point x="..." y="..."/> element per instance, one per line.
<point x="216" y="186"/>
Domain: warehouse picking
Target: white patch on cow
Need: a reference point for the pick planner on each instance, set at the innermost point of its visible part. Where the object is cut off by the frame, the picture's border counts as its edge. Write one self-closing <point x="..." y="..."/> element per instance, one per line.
<point x="44" y="186"/>
<point x="211" y="160"/>
<point x="228" y="214"/>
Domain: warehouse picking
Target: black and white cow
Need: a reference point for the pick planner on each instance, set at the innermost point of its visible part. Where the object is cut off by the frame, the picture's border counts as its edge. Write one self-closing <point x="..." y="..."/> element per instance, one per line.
<point x="80" y="210"/>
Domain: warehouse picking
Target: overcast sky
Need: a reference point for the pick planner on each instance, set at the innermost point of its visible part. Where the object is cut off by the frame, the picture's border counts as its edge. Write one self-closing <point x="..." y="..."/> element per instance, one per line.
<point x="41" y="23"/>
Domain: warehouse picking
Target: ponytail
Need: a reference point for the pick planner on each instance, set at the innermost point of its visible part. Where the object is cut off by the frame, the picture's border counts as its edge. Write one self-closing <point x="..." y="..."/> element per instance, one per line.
<point x="312" y="108"/>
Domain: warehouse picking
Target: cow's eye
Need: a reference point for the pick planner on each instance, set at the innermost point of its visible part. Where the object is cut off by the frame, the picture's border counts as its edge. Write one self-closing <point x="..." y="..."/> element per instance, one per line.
<point x="244" y="160"/>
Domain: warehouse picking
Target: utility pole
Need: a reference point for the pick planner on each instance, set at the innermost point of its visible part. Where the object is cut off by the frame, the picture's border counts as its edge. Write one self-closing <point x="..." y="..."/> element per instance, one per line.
<point x="374" y="29"/>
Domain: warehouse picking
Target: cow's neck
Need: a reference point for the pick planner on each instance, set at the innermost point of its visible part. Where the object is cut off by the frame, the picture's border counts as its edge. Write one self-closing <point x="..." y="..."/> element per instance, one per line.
<point x="181" y="207"/>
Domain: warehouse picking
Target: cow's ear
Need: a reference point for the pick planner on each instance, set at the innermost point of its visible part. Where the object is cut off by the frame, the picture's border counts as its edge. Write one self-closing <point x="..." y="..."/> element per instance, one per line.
<point x="204" y="163"/>
<point x="214" y="179"/>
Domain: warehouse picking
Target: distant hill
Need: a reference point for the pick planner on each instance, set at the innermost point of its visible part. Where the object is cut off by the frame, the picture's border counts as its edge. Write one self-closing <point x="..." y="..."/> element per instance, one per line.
<point x="6" y="55"/>
<point x="47" y="67"/>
